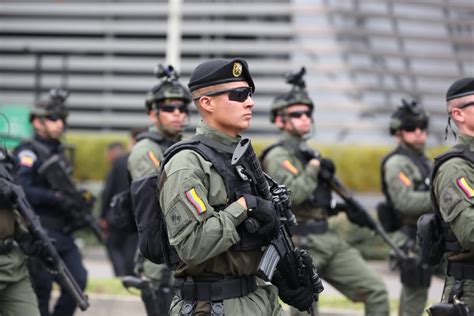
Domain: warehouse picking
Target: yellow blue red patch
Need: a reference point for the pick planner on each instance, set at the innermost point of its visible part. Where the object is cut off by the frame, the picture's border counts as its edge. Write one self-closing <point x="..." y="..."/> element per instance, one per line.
<point x="153" y="158"/>
<point x="465" y="187"/>
<point x="27" y="158"/>
<point x="289" y="166"/>
<point x="404" y="179"/>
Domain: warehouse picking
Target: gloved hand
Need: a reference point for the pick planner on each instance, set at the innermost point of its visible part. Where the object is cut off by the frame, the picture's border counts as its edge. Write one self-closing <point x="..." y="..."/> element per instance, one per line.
<point x="359" y="217"/>
<point x="36" y="248"/>
<point x="266" y="215"/>
<point x="6" y="194"/>
<point x="301" y="298"/>
<point x="65" y="202"/>
<point x="327" y="169"/>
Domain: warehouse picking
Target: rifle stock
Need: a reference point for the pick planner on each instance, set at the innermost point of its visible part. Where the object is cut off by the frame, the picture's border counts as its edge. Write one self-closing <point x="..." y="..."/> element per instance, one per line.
<point x="34" y="226"/>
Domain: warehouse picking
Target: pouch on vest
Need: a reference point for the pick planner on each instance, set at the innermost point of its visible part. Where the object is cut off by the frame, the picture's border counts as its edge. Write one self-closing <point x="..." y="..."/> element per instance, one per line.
<point x="389" y="217"/>
<point x="153" y="239"/>
<point x="120" y="215"/>
<point x="430" y="237"/>
<point x="415" y="274"/>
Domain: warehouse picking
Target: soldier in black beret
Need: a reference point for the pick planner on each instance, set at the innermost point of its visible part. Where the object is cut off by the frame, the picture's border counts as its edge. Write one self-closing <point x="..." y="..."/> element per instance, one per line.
<point x="452" y="194"/>
<point x="205" y="203"/>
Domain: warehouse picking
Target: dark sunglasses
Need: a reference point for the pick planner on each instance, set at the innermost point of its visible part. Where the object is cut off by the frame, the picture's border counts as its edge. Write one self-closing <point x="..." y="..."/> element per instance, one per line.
<point x="236" y="94"/>
<point x="170" y="108"/>
<point x="55" y="117"/>
<point x="298" y="114"/>
<point x="412" y="127"/>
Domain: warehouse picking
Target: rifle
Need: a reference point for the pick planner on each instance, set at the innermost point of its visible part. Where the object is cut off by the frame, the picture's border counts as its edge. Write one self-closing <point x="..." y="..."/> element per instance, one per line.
<point x="81" y="214"/>
<point x="36" y="230"/>
<point x="281" y="251"/>
<point x="355" y="209"/>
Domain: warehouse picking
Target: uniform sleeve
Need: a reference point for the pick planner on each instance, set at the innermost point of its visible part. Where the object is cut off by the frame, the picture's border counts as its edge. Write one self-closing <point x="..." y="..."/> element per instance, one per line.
<point x="196" y="230"/>
<point x="36" y="195"/>
<point x="454" y="190"/>
<point x="400" y="178"/>
<point x="144" y="160"/>
<point x="283" y="168"/>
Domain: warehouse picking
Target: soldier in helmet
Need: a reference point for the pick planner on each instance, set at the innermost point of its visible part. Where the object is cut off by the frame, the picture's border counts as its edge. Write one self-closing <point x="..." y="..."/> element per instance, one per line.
<point x="292" y="163"/>
<point x="49" y="122"/>
<point x="405" y="175"/>
<point x="452" y="194"/>
<point x="167" y="108"/>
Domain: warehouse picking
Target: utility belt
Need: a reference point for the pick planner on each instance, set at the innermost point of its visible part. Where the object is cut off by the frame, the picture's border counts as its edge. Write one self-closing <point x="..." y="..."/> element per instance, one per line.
<point x="6" y="245"/>
<point x="214" y="290"/>
<point x="310" y="227"/>
<point x="460" y="270"/>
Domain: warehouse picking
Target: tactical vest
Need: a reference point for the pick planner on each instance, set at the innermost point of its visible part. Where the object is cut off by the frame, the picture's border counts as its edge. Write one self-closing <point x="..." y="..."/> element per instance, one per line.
<point x="321" y="198"/>
<point x="220" y="156"/>
<point x="157" y="138"/>
<point x="461" y="151"/>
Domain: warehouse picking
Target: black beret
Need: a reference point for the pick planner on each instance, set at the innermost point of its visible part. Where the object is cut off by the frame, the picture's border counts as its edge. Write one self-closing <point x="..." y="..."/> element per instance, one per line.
<point x="460" y="88"/>
<point x="217" y="71"/>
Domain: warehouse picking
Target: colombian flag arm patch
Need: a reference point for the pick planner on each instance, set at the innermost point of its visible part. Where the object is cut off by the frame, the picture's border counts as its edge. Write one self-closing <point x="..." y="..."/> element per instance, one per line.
<point x="404" y="179"/>
<point x="465" y="187"/>
<point x="196" y="201"/>
<point x="153" y="158"/>
<point x="289" y="166"/>
<point x="27" y="158"/>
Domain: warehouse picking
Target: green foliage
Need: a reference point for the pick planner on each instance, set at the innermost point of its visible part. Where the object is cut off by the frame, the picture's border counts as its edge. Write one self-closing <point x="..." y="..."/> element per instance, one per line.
<point x="89" y="153"/>
<point x="358" y="167"/>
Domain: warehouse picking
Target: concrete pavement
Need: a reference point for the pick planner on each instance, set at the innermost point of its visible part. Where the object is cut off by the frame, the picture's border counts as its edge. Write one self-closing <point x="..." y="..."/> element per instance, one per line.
<point x="103" y="305"/>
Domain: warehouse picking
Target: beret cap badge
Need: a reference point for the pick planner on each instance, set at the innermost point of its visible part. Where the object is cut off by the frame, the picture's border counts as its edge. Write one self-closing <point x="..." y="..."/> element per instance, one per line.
<point x="237" y="69"/>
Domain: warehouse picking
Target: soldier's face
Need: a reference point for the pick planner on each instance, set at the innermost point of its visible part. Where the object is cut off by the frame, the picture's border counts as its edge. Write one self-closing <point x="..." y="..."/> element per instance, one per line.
<point x="171" y="118"/>
<point x="49" y="128"/>
<point x="462" y="113"/>
<point x="228" y="116"/>
<point x="297" y="119"/>
<point x="416" y="138"/>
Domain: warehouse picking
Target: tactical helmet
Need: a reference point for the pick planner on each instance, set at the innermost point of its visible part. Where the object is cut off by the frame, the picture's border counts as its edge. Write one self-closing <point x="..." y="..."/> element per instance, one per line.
<point x="408" y="115"/>
<point x="53" y="106"/>
<point x="168" y="88"/>
<point x="297" y="94"/>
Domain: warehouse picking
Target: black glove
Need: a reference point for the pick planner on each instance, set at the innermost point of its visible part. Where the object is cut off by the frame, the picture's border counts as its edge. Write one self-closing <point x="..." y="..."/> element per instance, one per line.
<point x="266" y="215"/>
<point x="302" y="298"/>
<point x="36" y="248"/>
<point x="327" y="169"/>
<point x="6" y="194"/>
<point x="359" y="217"/>
<point x="65" y="202"/>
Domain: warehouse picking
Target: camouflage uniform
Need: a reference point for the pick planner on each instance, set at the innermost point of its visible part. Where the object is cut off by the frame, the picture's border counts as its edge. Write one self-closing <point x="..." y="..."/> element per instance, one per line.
<point x="337" y="263"/>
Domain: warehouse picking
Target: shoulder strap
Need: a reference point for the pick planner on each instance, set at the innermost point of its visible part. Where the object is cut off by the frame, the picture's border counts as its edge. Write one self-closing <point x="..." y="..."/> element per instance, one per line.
<point x="156" y="137"/>
<point x="265" y="151"/>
